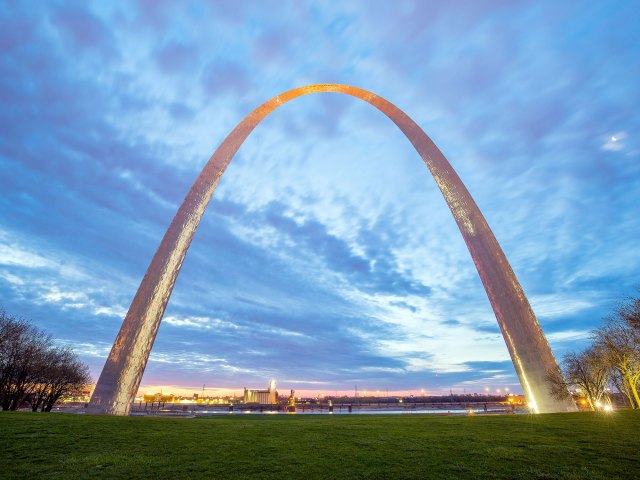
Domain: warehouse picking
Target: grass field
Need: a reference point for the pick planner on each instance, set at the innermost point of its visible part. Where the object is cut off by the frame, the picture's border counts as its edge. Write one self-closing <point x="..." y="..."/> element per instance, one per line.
<point x="557" y="446"/>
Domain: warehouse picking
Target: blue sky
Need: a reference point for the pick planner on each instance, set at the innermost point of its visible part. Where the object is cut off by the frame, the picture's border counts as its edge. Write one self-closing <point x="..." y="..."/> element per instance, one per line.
<point x="328" y="257"/>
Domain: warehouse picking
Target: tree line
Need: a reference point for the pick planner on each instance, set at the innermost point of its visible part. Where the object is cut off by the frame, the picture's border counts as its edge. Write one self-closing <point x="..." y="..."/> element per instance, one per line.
<point x="33" y="369"/>
<point x="610" y="363"/>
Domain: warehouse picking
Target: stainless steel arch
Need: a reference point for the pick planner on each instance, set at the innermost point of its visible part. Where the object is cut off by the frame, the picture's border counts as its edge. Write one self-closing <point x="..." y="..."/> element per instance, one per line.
<point x="529" y="350"/>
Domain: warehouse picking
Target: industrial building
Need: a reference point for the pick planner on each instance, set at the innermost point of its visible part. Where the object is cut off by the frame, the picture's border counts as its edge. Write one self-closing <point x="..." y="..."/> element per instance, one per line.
<point x="263" y="397"/>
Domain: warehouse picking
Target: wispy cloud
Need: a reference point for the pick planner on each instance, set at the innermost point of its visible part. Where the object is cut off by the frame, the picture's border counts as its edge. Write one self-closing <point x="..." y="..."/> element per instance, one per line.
<point x="568" y="335"/>
<point x="615" y="142"/>
<point x="327" y="252"/>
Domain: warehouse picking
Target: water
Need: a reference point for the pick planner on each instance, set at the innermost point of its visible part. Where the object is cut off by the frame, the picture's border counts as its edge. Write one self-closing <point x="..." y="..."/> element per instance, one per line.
<point x="336" y="411"/>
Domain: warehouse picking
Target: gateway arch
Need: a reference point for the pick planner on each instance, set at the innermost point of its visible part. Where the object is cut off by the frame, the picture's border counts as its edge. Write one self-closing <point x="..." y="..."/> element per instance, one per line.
<point x="527" y="345"/>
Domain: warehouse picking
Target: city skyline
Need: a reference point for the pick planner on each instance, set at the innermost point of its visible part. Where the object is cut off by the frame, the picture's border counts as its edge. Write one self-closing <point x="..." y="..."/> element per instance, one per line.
<point x="111" y="111"/>
<point x="374" y="392"/>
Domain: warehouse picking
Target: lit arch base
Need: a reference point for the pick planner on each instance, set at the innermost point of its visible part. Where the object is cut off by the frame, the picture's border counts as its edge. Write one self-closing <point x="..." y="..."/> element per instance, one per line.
<point x="527" y="345"/>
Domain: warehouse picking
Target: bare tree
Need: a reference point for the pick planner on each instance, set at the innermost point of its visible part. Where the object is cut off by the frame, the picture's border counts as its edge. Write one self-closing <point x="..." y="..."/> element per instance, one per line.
<point x="617" y="381"/>
<point x="620" y="346"/>
<point x="66" y="377"/>
<point x="584" y="371"/>
<point x="558" y="386"/>
<point x="627" y="316"/>
<point x="12" y="333"/>
<point x="24" y="349"/>
<point x="613" y="359"/>
<point x="32" y="368"/>
<point x="39" y="392"/>
<point x="629" y="312"/>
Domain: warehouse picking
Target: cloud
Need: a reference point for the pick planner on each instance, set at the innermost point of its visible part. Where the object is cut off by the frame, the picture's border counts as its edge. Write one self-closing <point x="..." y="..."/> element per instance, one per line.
<point x="199" y="323"/>
<point x="83" y="31"/>
<point x="615" y="142"/>
<point x="16" y="256"/>
<point x="177" y="58"/>
<point x="98" y="350"/>
<point x="568" y="335"/>
<point x="555" y="306"/>
<point x="224" y="77"/>
<point x="327" y="253"/>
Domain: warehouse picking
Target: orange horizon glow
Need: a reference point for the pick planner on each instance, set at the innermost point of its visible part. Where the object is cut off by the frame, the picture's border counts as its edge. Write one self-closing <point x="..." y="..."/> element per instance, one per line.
<point x="182" y="391"/>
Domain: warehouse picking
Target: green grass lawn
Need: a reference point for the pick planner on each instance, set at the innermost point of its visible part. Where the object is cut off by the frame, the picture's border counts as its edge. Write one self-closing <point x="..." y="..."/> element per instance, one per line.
<point x="303" y="447"/>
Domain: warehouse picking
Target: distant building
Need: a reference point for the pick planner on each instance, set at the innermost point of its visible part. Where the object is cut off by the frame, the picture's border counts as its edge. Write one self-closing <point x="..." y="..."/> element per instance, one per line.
<point x="158" y="398"/>
<point x="263" y="397"/>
